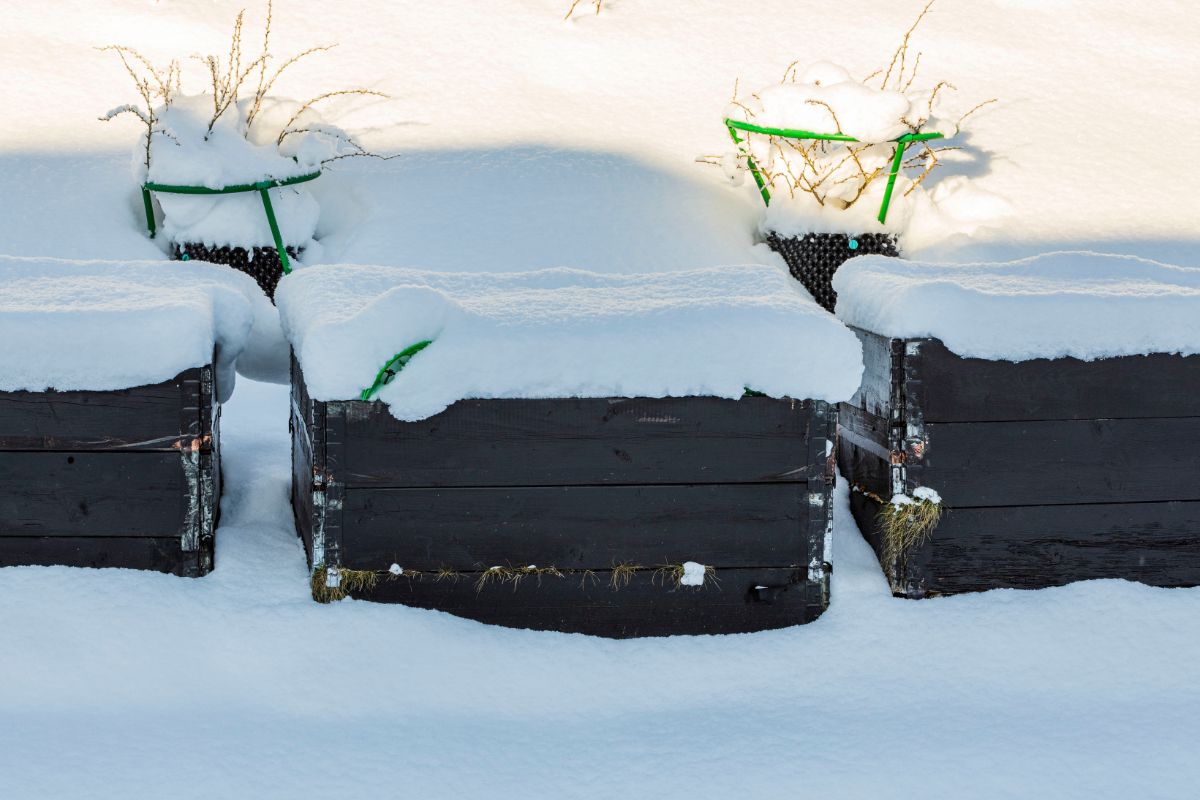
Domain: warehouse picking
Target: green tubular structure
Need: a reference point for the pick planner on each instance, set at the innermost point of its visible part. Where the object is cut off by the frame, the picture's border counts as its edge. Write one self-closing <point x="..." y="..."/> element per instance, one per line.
<point x="733" y="126"/>
<point x="262" y="187"/>
<point x="393" y="366"/>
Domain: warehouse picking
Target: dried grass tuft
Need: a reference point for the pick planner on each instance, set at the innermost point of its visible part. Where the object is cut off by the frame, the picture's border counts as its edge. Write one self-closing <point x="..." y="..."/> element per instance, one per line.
<point x="906" y="525"/>
<point x="622" y="574"/>
<point x="514" y="575"/>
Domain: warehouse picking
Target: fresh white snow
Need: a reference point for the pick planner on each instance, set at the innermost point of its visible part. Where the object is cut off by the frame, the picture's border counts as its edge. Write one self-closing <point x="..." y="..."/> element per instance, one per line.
<point x="564" y="333"/>
<point x="111" y="325"/>
<point x="693" y="574"/>
<point x="1084" y="305"/>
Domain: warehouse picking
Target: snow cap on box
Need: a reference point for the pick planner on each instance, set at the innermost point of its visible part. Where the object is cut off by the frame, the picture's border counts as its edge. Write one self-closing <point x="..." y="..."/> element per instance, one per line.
<point x="563" y="333"/>
<point x="107" y="325"/>
<point x="1079" y="304"/>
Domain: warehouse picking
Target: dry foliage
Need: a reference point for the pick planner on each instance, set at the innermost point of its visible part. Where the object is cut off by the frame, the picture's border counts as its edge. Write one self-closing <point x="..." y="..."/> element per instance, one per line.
<point x="906" y="526"/>
<point x="597" y="4"/>
<point x="514" y="575"/>
<point x="675" y="573"/>
<point x="838" y="174"/>
<point x="348" y="581"/>
<point x="227" y="78"/>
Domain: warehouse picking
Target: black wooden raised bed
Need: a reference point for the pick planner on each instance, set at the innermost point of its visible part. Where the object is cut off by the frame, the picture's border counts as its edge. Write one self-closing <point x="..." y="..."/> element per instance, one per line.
<point x="1050" y="471"/>
<point x="127" y="478"/>
<point x="576" y="487"/>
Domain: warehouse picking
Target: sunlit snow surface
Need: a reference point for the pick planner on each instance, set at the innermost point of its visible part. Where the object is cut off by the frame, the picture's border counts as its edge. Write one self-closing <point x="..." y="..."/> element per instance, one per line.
<point x="529" y="142"/>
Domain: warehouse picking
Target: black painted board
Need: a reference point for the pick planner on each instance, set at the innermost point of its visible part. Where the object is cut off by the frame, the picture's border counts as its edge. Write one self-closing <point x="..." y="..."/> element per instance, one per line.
<point x="1061" y="462"/>
<point x="92" y="494"/>
<point x="647" y="606"/>
<point x="160" y="554"/>
<point x="591" y="527"/>
<point x="949" y="388"/>
<point x="141" y="418"/>
<point x="863" y="455"/>
<point x="1034" y="547"/>
<point x="576" y="441"/>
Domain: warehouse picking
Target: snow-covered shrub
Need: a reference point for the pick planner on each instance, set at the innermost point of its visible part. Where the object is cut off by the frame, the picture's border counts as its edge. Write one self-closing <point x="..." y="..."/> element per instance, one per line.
<point x="839" y="185"/>
<point x="233" y="132"/>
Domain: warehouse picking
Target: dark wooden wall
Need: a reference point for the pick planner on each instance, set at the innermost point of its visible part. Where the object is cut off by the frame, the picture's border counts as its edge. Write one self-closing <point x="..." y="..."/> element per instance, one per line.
<point x="1050" y="471"/>
<point x="127" y="478"/>
<point x="580" y="485"/>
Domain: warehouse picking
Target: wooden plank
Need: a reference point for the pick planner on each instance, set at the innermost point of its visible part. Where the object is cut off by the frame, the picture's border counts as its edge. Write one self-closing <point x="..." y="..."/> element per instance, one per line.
<point x="575" y="441"/>
<point x="142" y="418"/>
<point x="875" y="389"/>
<point x="949" y="388"/>
<point x="645" y="607"/>
<point x="577" y="526"/>
<point x="1060" y="462"/>
<point x="159" y="554"/>
<point x="92" y="493"/>
<point x="1034" y="547"/>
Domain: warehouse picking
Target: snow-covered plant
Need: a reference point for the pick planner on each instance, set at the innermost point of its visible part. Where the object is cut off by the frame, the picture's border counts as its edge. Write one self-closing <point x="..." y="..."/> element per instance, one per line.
<point x="907" y="522"/>
<point x="238" y="94"/>
<point x="824" y="98"/>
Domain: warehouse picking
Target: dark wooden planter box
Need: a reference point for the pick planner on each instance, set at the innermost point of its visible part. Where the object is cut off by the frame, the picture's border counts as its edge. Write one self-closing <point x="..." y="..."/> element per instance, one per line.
<point x="127" y="478"/>
<point x="1050" y="471"/>
<point x="579" y="485"/>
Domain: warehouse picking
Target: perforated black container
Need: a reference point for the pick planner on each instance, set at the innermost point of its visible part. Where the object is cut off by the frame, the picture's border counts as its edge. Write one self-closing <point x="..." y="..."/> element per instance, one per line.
<point x="260" y="263"/>
<point x="814" y="257"/>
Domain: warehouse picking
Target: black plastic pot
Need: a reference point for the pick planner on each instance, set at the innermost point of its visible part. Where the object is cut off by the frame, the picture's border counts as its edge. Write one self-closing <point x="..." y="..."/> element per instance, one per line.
<point x="814" y="257"/>
<point x="260" y="263"/>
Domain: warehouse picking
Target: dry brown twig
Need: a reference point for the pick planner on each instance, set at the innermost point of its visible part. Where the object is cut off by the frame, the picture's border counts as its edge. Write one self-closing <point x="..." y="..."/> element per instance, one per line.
<point x="598" y="4"/>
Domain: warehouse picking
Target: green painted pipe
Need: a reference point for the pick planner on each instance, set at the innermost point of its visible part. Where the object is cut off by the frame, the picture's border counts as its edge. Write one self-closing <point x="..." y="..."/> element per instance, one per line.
<point x="392" y="367"/>
<point x="901" y="143"/>
<point x="261" y="187"/>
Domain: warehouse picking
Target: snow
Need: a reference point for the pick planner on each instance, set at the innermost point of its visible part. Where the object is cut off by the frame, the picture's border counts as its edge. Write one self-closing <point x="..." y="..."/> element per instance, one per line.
<point x="107" y="325"/>
<point x="563" y="333"/>
<point x="823" y="92"/>
<point x="239" y="685"/>
<point x="529" y="142"/>
<point x="185" y="152"/>
<point x="693" y="574"/>
<point x="1079" y="304"/>
<point x="928" y="494"/>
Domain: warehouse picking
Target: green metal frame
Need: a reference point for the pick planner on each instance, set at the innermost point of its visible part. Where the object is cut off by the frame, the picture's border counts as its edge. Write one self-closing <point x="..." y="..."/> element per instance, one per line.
<point x="262" y="187"/>
<point x="733" y="126"/>
<point x="393" y="366"/>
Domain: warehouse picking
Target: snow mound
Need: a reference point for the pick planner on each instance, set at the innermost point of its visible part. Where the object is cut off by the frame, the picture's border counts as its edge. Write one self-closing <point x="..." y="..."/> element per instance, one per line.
<point x="563" y="333"/>
<point x="1079" y="304"/>
<point x="106" y="325"/>
<point x="826" y="99"/>
<point x="185" y="152"/>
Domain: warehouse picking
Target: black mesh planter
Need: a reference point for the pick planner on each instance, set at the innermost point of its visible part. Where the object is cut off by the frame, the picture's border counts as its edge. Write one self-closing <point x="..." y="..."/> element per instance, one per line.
<point x="260" y="263"/>
<point x="814" y="257"/>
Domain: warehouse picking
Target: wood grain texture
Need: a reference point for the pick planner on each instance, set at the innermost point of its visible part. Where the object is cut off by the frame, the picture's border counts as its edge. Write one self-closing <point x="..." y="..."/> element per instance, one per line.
<point x="577" y="526"/>
<point x="949" y="388"/>
<point x="1061" y="462"/>
<point x="576" y="485"/>
<point x="645" y="607"/>
<point x="80" y="468"/>
<point x="577" y="441"/>
<point x="92" y="494"/>
<point x="141" y="418"/>
<point x="159" y="554"/>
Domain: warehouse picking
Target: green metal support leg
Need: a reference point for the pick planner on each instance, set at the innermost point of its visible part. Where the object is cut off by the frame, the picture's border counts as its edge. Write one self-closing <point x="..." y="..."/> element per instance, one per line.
<point x="279" y="248"/>
<point x="149" y="204"/>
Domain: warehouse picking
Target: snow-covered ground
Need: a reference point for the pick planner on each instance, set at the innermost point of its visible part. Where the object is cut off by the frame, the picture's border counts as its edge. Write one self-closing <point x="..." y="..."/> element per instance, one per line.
<point x="530" y="142"/>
